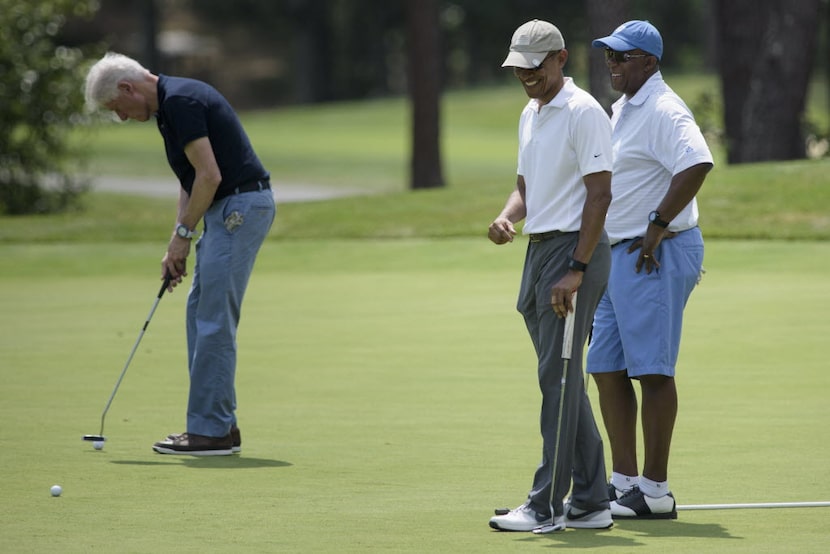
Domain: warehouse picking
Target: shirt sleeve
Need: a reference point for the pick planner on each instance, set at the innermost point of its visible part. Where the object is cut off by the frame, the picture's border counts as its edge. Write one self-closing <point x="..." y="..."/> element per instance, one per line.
<point x="678" y="142"/>
<point x="522" y="130"/>
<point x="591" y="130"/>
<point x="188" y="117"/>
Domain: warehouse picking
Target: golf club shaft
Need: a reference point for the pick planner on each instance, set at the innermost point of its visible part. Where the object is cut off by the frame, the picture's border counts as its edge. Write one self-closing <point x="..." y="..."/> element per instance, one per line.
<point x="754" y="506"/>
<point x="567" y="348"/>
<point x="164" y="286"/>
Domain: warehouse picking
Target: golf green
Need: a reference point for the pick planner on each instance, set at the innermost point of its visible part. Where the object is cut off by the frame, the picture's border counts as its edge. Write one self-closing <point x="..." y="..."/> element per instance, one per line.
<point x="388" y="403"/>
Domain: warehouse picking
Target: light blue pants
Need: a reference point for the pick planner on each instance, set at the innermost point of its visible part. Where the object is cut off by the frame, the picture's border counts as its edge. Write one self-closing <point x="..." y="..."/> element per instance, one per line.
<point x="638" y="322"/>
<point x="235" y="228"/>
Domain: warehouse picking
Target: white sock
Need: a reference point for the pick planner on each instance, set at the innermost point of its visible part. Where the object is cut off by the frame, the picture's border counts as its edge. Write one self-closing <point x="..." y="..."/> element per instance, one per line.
<point x="654" y="489"/>
<point x="623" y="482"/>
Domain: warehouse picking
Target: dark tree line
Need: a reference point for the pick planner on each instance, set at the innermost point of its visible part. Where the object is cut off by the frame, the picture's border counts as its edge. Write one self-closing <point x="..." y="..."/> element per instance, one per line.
<point x="344" y="49"/>
<point x="324" y="50"/>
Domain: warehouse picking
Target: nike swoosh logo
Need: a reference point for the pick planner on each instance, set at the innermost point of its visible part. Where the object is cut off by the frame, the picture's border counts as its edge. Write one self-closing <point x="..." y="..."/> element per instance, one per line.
<point x="597" y="155"/>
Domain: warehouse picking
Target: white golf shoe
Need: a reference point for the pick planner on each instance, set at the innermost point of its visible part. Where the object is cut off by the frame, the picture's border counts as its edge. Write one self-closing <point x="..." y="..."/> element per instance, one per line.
<point x="583" y="519"/>
<point x="523" y="518"/>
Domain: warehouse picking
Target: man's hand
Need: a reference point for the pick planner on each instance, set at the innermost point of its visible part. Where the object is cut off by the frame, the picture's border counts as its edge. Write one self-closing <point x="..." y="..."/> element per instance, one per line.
<point x="174" y="262"/>
<point x="501" y="231"/>
<point x="561" y="294"/>
<point x="647" y="246"/>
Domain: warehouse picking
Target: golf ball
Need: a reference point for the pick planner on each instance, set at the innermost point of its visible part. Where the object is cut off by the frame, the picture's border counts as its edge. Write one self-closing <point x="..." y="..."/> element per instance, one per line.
<point x="56" y="490"/>
<point x="98" y="445"/>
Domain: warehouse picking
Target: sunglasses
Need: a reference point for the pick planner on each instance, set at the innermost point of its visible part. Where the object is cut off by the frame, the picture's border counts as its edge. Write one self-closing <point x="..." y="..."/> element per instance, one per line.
<point x="518" y="70"/>
<point x="621" y="57"/>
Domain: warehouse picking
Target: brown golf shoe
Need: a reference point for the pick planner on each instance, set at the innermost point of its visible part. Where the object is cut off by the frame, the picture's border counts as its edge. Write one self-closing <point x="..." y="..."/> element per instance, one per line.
<point x="236" y="439"/>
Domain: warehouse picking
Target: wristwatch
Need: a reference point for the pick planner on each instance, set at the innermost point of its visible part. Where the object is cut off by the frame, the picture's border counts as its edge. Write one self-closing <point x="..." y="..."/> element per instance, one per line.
<point x="183" y="232"/>
<point x="577" y="265"/>
<point x="654" y="217"/>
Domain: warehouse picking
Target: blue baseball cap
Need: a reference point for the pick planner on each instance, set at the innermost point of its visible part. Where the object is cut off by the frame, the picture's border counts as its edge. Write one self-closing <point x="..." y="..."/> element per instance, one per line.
<point x="632" y="35"/>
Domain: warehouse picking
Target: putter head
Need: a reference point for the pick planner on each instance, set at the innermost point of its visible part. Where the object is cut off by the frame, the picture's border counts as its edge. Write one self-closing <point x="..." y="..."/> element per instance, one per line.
<point x="95" y="438"/>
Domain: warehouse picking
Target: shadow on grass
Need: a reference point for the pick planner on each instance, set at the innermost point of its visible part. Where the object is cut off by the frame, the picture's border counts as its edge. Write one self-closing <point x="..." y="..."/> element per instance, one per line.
<point x="621" y="534"/>
<point x="209" y="462"/>
<point x="677" y="529"/>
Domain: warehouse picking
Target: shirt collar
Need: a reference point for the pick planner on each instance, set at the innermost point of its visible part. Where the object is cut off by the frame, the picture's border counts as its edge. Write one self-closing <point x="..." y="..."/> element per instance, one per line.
<point x="161" y="89"/>
<point x="561" y="98"/>
<point x="640" y="97"/>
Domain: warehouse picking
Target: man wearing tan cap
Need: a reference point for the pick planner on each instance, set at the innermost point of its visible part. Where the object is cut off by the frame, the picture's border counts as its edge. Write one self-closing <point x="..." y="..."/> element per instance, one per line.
<point x="562" y="192"/>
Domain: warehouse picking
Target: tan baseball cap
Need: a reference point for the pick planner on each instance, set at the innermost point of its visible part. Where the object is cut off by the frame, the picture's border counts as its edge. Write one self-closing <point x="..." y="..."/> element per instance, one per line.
<point x="531" y="43"/>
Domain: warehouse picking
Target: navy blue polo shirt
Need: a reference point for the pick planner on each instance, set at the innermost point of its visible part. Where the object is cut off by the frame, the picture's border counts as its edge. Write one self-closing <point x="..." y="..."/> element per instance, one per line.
<point x="189" y="110"/>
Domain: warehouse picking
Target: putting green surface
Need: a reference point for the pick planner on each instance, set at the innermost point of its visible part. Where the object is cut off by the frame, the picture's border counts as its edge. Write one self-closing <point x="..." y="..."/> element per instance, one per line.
<point x="388" y="403"/>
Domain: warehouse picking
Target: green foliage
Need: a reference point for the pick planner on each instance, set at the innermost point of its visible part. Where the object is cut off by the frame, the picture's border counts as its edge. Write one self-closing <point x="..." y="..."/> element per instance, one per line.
<point x="40" y="83"/>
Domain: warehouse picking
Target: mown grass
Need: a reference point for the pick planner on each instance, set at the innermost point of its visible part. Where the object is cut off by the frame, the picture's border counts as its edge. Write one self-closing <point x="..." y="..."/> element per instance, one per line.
<point x="365" y="146"/>
<point x="387" y="387"/>
<point x="388" y="403"/>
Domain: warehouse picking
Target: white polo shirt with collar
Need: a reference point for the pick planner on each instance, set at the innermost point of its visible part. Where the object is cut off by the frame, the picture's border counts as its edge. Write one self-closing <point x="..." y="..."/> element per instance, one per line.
<point x="559" y="143"/>
<point x="654" y="137"/>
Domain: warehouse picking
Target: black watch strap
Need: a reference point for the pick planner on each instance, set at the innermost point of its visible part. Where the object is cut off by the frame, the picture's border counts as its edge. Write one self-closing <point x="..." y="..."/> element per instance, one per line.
<point x="654" y="217"/>
<point x="576" y="265"/>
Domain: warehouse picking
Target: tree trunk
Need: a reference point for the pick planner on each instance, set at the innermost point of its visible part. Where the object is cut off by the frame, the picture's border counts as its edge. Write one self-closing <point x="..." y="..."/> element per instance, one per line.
<point x="311" y="56"/>
<point x="424" y="56"/>
<point x="603" y="17"/>
<point x="827" y="59"/>
<point x="149" y="16"/>
<point x="766" y="54"/>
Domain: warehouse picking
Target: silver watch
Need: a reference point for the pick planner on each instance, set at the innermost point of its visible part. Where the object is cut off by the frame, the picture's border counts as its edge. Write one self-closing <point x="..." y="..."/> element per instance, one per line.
<point x="184" y="232"/>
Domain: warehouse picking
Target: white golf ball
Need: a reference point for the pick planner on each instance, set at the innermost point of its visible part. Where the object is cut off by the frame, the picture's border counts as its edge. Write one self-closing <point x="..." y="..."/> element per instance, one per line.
<point x="98" y="445"/>
<point x="56" y="490"/>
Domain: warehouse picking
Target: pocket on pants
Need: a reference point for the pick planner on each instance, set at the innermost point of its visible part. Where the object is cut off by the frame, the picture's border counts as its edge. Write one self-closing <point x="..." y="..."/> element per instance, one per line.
<point x="246" y="210"/>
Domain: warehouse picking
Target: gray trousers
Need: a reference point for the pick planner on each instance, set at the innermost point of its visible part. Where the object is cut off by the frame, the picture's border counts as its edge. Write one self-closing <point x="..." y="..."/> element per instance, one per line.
<point x="581" y="459"/>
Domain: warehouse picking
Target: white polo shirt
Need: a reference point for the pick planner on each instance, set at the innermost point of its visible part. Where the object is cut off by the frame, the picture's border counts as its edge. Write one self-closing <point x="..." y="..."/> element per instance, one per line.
<point x="570" y="137"/>
<point x="655" y="137"/>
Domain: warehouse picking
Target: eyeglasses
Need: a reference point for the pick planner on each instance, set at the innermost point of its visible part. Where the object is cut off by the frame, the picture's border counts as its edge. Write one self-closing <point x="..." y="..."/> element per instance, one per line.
<point x="621" y="57"/>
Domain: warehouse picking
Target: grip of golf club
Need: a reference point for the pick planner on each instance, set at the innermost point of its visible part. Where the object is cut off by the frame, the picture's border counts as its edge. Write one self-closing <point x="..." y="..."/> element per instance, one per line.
<point x="568" y="335"/>
<point x="167" y="278"/>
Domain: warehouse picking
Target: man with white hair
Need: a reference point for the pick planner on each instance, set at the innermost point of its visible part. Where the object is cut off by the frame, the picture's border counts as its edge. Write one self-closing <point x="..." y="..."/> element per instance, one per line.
<point x="224" y="184"/>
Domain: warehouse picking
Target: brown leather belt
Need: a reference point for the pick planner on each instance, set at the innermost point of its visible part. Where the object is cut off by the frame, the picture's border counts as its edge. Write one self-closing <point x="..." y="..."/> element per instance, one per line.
<point x="539" y="237"/>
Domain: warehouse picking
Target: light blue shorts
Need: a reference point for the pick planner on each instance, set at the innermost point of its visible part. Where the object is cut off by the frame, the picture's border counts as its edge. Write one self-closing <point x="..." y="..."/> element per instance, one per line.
<point x="638" y="322"/>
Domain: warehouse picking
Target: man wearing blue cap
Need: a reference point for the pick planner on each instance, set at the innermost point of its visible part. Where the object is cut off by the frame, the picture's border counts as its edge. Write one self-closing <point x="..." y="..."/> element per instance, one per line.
<point x="660" y="162"/>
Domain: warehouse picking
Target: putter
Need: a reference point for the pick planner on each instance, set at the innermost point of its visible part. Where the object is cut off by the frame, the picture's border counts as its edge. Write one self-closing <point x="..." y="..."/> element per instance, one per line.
<point x="100" y="437"/>
<point x="759" y="505"/>
<point x="567" y="345"/>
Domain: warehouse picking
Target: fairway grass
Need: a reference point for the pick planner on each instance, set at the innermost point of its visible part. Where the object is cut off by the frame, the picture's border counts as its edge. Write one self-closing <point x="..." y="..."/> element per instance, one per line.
<point x="388" y="403"/>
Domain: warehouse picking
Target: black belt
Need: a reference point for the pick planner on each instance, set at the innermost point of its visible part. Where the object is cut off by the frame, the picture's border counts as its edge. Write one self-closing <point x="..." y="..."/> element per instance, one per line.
<point x="619" y="242"/>
<point x="539" y="237"/>
<point x="667" y="236"/>
<point x="245" y="187"/>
